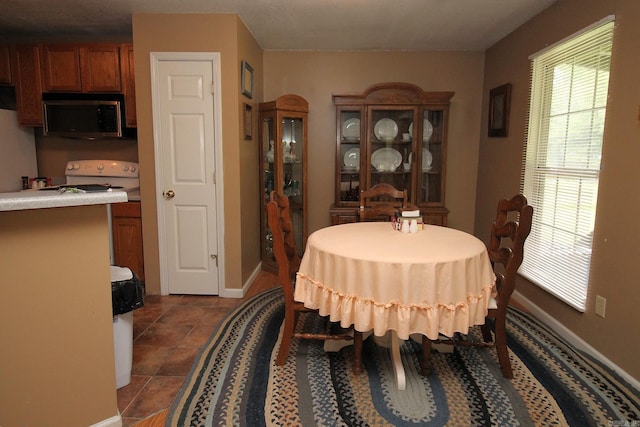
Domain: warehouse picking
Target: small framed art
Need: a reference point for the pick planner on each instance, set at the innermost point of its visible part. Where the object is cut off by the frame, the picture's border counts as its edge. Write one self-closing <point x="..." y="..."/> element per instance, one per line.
<point x="247" y="121"/>
<point x="247" y="79"/>
<point x="499" y="104"/>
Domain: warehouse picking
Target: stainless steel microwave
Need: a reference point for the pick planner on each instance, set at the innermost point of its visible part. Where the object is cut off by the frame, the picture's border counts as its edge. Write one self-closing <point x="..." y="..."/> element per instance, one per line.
<point x="83" y="117"/>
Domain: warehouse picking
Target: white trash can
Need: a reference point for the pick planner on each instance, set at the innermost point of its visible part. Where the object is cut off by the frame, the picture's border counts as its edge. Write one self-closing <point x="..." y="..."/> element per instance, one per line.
<point x="124" y="302"/>
<point x="123" y="347"/>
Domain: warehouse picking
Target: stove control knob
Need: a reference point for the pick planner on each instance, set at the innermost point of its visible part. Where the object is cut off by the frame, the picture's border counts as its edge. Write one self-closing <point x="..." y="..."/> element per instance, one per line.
<point x="75" y="167"/>
<point x="126" y="168"/>
<point x="133" y="168"/>
<point x="100" y="166"/>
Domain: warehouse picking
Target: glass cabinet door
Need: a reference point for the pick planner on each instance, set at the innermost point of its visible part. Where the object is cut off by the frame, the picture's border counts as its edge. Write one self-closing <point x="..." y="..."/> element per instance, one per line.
<point x="432" y="159"/>
<point x="349" y="155"/>
<point x="267" y="137"/>
<point x="391" y="155"/>
<point x="292" y="162"/>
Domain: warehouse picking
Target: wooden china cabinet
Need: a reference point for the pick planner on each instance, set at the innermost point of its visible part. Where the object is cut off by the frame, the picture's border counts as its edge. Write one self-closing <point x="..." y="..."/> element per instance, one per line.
<point x="394" y="133"/>
<point x="283" y="160"/>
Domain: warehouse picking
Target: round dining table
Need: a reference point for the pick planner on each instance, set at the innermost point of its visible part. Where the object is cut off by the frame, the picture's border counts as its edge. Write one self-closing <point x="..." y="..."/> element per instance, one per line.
<point x="368" y="274"/>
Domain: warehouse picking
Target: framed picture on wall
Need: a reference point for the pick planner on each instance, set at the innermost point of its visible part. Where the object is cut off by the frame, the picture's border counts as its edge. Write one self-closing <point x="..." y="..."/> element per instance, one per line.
<point x="247" y="121"/>
<point x="247" y="79"/>
<point x="499" y="103"/>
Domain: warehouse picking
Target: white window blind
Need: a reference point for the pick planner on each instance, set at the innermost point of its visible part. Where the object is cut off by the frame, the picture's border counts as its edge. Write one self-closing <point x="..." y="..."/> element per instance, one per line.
<point x="569" y="84"/>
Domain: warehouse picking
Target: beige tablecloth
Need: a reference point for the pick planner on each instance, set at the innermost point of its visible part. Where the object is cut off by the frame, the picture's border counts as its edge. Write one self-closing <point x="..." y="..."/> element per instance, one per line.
<point x="438" y="280"/>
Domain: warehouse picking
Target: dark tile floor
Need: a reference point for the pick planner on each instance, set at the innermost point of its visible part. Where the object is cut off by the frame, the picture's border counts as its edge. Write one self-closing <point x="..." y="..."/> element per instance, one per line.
<point x="168" y="333"/>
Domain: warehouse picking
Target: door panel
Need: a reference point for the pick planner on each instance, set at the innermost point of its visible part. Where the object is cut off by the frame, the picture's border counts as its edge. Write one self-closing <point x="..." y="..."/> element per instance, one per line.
<point x="186" y="129"/>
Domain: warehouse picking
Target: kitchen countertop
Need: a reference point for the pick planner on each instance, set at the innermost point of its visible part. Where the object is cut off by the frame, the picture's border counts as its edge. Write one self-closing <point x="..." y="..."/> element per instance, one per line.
<point x="52" y="199"/>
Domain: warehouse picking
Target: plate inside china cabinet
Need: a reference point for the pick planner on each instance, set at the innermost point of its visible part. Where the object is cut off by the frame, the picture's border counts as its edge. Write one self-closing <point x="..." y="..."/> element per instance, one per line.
<point x="385" y="130"/>
<point x="351" y="129"/>
<point x="352" y="158"/>
<point x="427" y="130"/>
<point x="386" y="159"/>
<point x="427" y="159"/>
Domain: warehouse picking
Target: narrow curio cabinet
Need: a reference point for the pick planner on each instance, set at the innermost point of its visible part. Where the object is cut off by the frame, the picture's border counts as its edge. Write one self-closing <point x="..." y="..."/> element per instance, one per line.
<point x="283" y="160"/>
<point x="394" y="133"/>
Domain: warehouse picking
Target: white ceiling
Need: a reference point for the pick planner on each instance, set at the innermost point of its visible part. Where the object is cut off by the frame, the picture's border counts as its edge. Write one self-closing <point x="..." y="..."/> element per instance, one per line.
<point x="468" y="25"/>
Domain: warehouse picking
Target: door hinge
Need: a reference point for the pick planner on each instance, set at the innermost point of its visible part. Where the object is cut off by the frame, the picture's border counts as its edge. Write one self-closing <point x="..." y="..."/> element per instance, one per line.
<point x="211" y="88"/>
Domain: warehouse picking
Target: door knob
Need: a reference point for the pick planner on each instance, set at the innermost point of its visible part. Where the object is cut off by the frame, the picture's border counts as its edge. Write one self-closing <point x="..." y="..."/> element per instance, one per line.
<point x="169" y="194"/>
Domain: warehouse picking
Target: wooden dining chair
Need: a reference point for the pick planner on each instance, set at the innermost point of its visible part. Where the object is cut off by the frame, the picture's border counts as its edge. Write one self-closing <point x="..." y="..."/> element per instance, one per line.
<point x="380" y="202"/>
<point x="506" y="250"/>
<point x="288" y="261"/>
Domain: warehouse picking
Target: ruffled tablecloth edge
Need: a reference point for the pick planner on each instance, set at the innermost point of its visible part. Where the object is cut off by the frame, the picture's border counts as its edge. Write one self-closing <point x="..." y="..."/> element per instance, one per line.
<point x="406" y="319"/>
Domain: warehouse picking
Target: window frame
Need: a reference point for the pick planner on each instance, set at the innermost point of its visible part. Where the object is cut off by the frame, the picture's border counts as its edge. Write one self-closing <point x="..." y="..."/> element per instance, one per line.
<point x="558" y="259"/>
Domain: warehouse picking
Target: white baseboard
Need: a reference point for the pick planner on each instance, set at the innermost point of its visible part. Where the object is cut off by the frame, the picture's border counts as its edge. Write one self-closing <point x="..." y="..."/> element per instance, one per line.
<point x="240" y="293"/>
<point x="115" y="421"/>
<point x="571" y="337"/>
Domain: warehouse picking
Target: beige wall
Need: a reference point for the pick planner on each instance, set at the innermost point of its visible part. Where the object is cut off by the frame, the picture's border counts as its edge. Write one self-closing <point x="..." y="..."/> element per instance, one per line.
<point x="615" y="268"/>
<point x="56" y="330"/>
<point x="317" y="75"/>
<point x="248" y="171"/>
<point x="201" y="33"/>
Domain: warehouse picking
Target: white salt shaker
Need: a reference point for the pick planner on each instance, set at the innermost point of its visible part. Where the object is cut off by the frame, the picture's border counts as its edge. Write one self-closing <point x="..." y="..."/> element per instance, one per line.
<point x="413" y="228"/>
<point x="405" y="226"/>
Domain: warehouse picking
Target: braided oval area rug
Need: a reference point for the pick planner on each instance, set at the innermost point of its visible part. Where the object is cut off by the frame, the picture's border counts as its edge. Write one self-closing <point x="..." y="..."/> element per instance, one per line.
<point x="235" y="382"/>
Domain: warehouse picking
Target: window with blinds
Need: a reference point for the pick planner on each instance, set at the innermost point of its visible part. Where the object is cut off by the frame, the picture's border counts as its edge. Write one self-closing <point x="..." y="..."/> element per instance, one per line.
<point x="569" y="84"/>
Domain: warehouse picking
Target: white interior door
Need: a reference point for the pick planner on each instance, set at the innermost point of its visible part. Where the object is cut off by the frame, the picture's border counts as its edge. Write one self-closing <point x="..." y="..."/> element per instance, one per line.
<point x="186" y="130"/>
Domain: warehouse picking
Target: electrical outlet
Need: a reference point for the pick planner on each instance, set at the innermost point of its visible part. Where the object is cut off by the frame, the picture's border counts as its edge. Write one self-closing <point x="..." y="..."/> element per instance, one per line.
<point x="601" y="305"/>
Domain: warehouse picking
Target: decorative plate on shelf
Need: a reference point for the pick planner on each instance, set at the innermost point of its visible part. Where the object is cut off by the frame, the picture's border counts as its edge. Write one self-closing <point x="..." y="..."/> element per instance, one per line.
<point x="427" y="159"/>
<point x="385" y="130"/>
<point x="386" y="159"/>
<point x="427" y="130"/>
<point x="351" y="129"/>
<point x="352" y="158"/>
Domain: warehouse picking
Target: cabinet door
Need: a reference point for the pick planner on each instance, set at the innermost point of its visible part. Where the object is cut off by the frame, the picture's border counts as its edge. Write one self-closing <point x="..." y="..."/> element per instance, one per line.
<point x="26" y="65"/>
<point x="100" y="68"/>
<point x="61" y="68"/>
<point x="431" y="157"/>
<point x="350" y="155"/>
<point x="127" y="237"/>
<point x="268" y="182"/>
<point x="292" y="166"/>
<point x="128" y="84"/>
<point x="5" y="65"/>
<point x="391" y="157"/>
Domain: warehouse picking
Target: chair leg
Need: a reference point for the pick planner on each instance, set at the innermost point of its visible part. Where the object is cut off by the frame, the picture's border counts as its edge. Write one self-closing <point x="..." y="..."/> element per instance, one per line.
<point x="287" y="333"/>
<point x="357" y="352"/>
<point x="426" y="355"/>
<point x="502" y="349"/>
<point x="486" y="330"/>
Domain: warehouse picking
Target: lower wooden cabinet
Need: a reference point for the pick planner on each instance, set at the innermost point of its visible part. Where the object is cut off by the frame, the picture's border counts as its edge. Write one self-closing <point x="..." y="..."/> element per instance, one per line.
<point x="127" y="236"/>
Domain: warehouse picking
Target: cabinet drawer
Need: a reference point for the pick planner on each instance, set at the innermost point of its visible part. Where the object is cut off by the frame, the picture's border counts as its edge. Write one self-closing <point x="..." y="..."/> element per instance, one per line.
<point x="127" y="210"/>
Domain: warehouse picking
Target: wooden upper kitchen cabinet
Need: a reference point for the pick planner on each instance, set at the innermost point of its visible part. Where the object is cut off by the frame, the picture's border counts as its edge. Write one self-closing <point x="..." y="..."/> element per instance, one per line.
<point x="128" y="84"/>
<point x="27" y="79"/>
<point x="81" y="68"/>
<point x="5" y="65"/>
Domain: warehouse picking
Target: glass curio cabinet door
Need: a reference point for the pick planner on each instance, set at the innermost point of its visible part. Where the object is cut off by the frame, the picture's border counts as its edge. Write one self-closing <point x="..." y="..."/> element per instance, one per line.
<point x="391" y="147"/>
<point x="283" y="151"/>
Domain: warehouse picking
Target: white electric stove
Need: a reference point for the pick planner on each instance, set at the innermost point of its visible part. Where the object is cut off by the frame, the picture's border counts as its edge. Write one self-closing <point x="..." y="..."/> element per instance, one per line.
<point x="114" y="173"/>
<point x="103" y="175"/>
